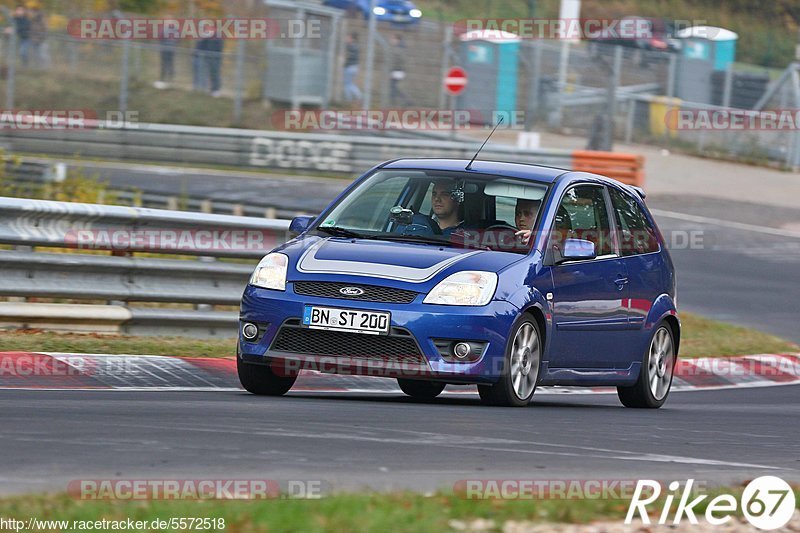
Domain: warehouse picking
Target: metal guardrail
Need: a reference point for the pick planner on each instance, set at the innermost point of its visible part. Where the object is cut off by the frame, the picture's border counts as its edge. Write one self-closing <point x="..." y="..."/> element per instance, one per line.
<point x="121" y="278"/>
<point x="315" y="152"/>
<point x="25" y="222"/>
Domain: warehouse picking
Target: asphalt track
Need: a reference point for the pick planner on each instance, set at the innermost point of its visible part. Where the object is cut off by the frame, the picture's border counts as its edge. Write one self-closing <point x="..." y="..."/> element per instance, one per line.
<point x="389" y="441"/>
<point x="746" y="271"/>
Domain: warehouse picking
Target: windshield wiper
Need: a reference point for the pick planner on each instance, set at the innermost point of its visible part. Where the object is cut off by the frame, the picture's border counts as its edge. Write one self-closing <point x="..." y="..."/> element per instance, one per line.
<point x="337" y="231"/>
<point x="411" y="238"/>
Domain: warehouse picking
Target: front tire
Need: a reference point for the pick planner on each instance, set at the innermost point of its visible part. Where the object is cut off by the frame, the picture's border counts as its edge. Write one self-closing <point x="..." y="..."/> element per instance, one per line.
<point x="521" y="366"/>
<point x="261" y="380"/>
<point x="655" y="378"/>
<point x="421" y="390"/>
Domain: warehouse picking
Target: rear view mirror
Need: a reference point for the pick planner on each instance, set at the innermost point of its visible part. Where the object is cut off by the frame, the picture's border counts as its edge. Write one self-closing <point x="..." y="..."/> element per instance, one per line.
<point x="576" y="250"/>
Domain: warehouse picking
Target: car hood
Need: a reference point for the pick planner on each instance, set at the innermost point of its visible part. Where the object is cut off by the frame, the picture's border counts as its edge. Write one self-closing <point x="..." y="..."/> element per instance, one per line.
<point x="397" y="261"/>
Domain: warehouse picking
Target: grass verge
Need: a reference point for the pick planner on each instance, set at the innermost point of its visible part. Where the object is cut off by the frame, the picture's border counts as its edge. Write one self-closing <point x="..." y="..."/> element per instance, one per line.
<point x="397" y="511"/>
<point x="701" y="337"/>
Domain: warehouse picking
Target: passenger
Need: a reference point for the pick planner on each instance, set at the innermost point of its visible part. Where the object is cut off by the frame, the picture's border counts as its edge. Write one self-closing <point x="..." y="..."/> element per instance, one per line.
<point x="525" y="216"/>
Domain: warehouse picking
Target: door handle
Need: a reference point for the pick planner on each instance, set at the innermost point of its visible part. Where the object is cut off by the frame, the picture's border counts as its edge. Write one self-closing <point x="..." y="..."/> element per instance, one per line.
<point x="621" y="282"/>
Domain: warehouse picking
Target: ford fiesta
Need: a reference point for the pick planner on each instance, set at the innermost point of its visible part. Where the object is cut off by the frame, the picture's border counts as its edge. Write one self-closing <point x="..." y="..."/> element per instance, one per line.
<point x="503" y="275"/>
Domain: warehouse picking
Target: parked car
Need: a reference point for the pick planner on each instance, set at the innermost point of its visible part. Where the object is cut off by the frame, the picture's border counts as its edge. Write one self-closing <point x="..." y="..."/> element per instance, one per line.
<point x="651" y="34"/>
<point x="376" y="286"/>
<point x="395" y="11"/>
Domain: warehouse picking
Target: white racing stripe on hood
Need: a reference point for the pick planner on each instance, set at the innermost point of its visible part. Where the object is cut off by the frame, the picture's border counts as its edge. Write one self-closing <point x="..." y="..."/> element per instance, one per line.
<point x="309" y="264"/>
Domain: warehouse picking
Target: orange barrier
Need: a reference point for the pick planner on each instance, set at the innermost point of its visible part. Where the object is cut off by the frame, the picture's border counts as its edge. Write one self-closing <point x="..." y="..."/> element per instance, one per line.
<point x="627" y="168"/>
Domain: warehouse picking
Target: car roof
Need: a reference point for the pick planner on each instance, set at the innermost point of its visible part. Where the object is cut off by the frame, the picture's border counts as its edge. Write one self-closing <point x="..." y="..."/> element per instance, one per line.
<point x="539" y="173"/>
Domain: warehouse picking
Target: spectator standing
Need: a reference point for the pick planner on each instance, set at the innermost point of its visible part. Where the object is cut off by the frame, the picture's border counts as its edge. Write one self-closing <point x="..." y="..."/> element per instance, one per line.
<point x="41" y="55"/>
<point x="22" y="27"/>
<point x="398" y="74"/>
<point x="213" y="59"/>
<point x="167" y="46"/>
<point x="199" y="71"/>
<point x="351" y="60"/>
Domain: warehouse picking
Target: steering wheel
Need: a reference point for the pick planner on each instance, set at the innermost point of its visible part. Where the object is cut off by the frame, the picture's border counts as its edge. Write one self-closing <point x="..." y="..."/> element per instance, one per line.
<point x="502" y="226"/>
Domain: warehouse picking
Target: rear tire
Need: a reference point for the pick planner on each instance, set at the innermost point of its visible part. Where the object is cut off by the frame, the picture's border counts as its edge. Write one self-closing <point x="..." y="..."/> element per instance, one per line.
<point x="655" y="377"/>
<point x="420" y="390"/>
<point x="521" y="366"/>
<point x="261" y="379"/>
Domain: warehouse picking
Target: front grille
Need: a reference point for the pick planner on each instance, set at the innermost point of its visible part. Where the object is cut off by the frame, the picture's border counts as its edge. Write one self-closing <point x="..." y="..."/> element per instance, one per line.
<point x="399" y="347"/>
<point x="372" y="293"/>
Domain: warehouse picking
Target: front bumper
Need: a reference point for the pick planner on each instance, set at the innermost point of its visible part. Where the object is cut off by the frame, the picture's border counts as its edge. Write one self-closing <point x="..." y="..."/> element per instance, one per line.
<point x="490" y="324"/>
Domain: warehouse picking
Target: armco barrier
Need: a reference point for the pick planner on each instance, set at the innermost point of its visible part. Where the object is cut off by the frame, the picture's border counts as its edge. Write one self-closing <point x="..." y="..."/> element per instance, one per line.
<point x="190" y="286"/>
<point x="308" y="152"/>
<point x="627" y="168"/>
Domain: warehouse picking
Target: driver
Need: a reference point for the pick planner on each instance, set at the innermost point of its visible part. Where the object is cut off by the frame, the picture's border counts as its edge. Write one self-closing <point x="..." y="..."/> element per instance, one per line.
<point x="525" y="216"/>
<point x="446" y="206"/>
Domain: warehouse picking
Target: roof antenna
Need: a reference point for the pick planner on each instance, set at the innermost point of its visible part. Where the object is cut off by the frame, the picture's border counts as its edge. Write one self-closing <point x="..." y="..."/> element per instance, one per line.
<point x="469" y="165"/>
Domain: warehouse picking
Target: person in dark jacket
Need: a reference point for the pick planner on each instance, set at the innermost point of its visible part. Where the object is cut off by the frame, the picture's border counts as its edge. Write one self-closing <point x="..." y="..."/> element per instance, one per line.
<point x="22" y="27"/>
<point x="351" y="60"/>
<point x="398" y="74"/>
<point x="213" y="58"/>
<point x="168" y="42"/>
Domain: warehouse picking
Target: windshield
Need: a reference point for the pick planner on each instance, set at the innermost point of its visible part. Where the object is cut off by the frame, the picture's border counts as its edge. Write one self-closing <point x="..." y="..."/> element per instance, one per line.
<point x="441" y="208"/>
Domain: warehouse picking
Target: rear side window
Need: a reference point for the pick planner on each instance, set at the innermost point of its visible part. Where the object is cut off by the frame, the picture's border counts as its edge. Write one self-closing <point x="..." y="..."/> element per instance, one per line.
<point x="583" y="215"/>
<point x="637" y="235"/>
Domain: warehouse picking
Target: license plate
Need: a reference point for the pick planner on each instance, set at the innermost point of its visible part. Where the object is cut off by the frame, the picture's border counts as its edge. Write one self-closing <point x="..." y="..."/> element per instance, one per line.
<point x="353" y="320"/>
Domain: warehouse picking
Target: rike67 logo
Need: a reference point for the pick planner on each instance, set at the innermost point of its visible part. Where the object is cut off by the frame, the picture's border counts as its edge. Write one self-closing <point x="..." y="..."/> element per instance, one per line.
<point x="767" y="502"/>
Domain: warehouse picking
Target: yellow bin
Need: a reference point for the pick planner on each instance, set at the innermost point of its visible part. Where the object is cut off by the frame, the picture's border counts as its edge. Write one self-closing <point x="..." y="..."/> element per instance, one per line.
<point x="664" y="116"/>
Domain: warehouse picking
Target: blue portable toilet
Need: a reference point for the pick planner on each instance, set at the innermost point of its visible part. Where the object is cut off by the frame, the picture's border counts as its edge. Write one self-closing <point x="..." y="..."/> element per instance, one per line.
<point x="704" y="51"/>
<point x="709" y="43"/>
<point x="490" y="59"/>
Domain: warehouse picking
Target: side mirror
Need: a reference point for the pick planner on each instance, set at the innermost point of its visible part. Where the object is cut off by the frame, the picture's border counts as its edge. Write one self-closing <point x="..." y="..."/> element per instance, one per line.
<point x="300" y="224"/>
<point x="576" y="250"/>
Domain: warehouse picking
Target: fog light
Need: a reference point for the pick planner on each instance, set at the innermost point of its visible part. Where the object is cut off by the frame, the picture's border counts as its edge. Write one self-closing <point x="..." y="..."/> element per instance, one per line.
<point x="250" y="331"/>
<point x="462" y="349"/>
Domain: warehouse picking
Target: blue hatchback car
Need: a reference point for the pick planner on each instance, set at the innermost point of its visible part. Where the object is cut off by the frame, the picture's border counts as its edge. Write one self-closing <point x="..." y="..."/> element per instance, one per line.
<point x="437" y="271"/>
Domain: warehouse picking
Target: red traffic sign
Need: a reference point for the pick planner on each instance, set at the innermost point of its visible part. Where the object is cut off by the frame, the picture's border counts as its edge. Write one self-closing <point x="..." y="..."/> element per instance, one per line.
<point x="455" y="81"/>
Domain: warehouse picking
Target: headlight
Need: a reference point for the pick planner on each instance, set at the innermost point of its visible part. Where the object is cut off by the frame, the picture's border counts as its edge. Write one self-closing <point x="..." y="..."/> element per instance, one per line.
<point x="415" y="13"/>
<point x="271" y="272"/>
<point x="464" y="288"/>
<point x="379" y="10"/>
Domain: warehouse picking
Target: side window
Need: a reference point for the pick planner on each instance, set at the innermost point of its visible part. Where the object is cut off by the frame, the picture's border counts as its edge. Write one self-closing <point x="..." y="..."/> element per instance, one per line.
<point x="583" y="215"/>
<point x="637" y="235"/>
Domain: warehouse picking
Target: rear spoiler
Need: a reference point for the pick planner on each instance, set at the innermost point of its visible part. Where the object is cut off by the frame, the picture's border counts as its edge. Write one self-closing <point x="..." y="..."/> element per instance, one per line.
<point x="639" y="191"/>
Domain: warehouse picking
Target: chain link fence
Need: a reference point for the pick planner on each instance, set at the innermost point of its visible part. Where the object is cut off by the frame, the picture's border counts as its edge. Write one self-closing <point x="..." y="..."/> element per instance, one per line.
<point x="574" y="88"/>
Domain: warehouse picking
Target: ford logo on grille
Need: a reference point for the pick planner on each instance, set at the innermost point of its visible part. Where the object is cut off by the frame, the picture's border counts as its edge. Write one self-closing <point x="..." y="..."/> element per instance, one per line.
<point x="351" y="291"/>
